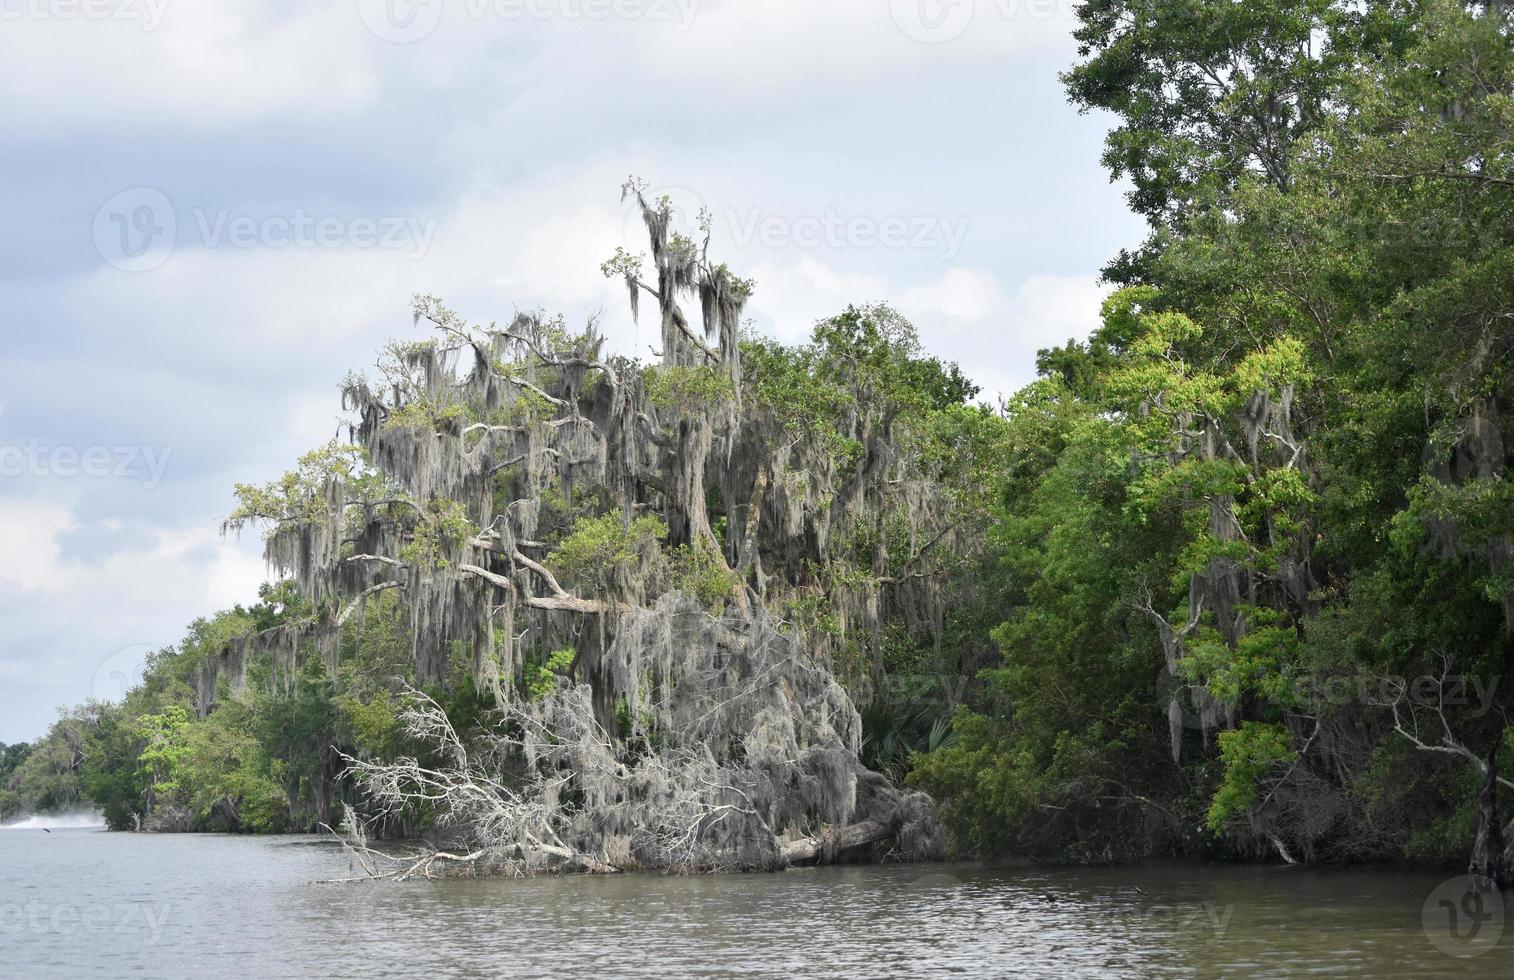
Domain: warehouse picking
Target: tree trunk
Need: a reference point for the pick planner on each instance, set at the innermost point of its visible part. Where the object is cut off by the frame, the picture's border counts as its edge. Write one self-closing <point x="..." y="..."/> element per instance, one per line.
<point x="1488" y="853"/>
<point x="830" y="841"/>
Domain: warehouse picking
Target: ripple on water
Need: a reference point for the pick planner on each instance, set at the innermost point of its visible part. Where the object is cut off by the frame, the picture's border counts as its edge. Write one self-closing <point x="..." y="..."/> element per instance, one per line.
<point x="76" y="903"/>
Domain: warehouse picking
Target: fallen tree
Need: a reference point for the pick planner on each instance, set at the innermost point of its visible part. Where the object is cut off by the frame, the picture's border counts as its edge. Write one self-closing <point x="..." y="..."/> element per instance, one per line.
<point x="743" y="768"/>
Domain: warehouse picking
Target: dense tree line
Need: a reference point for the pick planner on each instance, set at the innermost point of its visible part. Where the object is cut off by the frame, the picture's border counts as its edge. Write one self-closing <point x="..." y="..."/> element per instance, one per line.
<point x="1232" y="578"/>
<point x="267" y="718"/>
<point x="1257" y="529"/>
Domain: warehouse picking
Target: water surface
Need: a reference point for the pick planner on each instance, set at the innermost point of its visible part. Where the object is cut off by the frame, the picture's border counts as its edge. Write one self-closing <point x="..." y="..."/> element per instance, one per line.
<point x="84" y="903"/>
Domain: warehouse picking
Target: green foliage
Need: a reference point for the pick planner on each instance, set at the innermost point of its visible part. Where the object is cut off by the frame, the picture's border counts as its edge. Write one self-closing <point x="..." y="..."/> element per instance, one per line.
<point x="1262" y="662"/>
<point x="1348" y="272"/>
<point x="697" y="572"/>
<point x="863" y="374"/>
<point x="261" y="761"/>
<point x="11" y="757"/>
<point x="687" y="390"/>
<point x="896" y="733"/>
<point x="438" y="536"/>
<point x="1212" y="95"/>
<point x="47" y="776"/>
<point x="427" y="416"/>
<point x="868" y="357"/>
<point x="112" y="777"/>
<point x="542" y="679"/>
<point x="370" y="726"/>
<point x="230" y="781"/>
<point x="165" y="744"/>
<point x="300" y="495"/>
<point x="603" y="552"/>
<point x="1248" y="754"/>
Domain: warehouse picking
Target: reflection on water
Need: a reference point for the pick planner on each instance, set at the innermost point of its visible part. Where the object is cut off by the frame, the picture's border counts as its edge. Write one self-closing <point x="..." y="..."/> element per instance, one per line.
<point x="82" y="903"/>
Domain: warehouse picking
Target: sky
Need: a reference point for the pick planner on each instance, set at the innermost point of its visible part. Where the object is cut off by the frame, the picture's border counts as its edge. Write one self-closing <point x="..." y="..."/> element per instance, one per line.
<point x="216" y="209"/>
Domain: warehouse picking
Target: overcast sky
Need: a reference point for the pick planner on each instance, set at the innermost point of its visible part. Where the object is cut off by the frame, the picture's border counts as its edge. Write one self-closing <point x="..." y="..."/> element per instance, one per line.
<point x="215" y="209"/>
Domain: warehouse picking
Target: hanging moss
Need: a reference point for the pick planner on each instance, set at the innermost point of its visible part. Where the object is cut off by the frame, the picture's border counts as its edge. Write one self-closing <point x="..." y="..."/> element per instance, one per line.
<point x="526" y="491"/>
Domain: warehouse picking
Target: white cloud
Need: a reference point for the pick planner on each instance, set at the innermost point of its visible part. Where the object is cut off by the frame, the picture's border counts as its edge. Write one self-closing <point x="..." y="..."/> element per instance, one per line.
<point x="1045" y="311"/>
<point x="30" y="554"/>
<point x="38" y="670"/>
<point x="74" y="614"/>
<point x="1049" y="310"/>
<point x="802" y="48"/>
<point x="224" y="63"/>
<point x="791" y="298"/>
<point x="536" y="242"/>
<point x="962" y="314"/>
<point x="192" y="571"/>
<point x="212" y="62"/>
<point x="257" y="300"/>
<point x="961" y="295"/>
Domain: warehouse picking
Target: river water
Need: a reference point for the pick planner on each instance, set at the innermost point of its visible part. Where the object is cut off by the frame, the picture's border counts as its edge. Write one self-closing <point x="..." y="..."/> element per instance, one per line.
<point x="85" y="903"/>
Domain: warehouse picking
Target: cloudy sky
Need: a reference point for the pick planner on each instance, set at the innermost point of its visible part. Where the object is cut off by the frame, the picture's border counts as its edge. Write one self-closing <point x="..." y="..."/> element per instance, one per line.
<point x="216" y="209"/>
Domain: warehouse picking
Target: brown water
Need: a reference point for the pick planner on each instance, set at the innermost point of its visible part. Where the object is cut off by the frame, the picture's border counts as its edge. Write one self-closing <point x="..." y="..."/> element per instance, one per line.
<point x="80" y="903"/>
